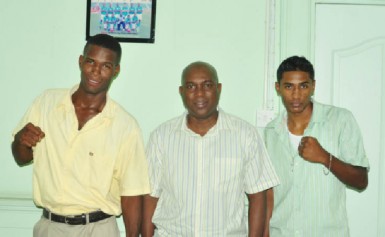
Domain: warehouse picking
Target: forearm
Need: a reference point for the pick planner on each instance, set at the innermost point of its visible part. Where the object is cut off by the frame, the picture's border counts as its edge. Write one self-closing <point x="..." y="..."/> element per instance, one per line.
<point x="269" y="211"/>
<point x="21" y="153"/>
<point x="131" y="211"/>
<point x="353" y="176"/>
<point x="257" y="213"/>
<point x="149" y="205"/>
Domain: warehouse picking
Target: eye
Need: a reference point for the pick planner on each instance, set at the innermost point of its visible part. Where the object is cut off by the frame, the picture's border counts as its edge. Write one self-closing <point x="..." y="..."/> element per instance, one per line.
<point x="89" y="61"/>
<point x="107" y="66"/>
<point x="208" y="85"/>
<point x="287" y="86"/>
<point x="304" y="86"/>
<point x="190" y="86"/>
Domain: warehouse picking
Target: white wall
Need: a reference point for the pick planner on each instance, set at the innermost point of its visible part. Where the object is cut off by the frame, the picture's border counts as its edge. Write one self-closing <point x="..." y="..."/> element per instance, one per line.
<point x="42" y="39"/>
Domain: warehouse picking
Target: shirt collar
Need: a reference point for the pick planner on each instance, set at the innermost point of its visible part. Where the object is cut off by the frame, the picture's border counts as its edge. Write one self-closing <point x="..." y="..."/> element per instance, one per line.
<point x="281" y="122"/>
<point x="67" y="105"/>
<point x="222" y="123"/>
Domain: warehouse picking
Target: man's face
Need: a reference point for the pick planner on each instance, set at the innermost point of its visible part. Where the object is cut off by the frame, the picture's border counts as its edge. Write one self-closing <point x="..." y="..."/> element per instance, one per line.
<point x="98" y="68"/>
<point x="200" y="94"/>
<point x="295" y="89"/>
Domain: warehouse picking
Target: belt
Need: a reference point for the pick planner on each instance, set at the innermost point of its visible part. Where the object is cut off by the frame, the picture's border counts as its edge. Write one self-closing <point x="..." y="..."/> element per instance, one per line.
<point x="82" y="219"/>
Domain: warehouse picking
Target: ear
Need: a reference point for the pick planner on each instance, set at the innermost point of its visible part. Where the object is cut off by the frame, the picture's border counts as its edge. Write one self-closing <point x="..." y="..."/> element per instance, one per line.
<point x="277" y="88"/>
<point x="81" y="58"/>
<point x="117" y="71"/>
<point x="313" y="88"/>
<point x="180" y="90"/>
<point x="219" y="87"/>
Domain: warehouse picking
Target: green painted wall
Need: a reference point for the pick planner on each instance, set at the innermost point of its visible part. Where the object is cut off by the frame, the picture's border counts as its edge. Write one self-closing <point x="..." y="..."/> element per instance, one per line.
<point x="40" y="44"/>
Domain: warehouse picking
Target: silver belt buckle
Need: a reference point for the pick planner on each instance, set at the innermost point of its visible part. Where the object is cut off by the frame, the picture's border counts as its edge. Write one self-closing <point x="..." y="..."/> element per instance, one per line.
<point x="67" y="220"/>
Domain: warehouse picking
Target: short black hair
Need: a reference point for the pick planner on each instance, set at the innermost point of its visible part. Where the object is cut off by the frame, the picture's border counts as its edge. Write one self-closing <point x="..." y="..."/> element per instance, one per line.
<point x="200" y="64"/>
<point x="295" y="63"/>
<point x="105" y="41"/>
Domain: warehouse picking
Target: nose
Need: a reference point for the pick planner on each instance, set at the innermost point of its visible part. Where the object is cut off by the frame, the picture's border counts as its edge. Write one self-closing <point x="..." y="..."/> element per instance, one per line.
<point x="296" y="92"/>
<point x="96" y="68"/>
<point x="199" y="90"/>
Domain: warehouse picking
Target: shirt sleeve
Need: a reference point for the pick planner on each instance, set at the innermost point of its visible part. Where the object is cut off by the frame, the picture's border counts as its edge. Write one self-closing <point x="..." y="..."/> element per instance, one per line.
<point x="132" y="166"/>
<point x="32" y="115"/>
<point x="154" y="154"/>
<point x="260" y="173"/>
<point x="351" y="143"/>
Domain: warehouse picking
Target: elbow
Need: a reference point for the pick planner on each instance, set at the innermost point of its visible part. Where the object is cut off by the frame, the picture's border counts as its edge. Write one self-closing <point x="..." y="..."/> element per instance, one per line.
<point x="363" y="182"/>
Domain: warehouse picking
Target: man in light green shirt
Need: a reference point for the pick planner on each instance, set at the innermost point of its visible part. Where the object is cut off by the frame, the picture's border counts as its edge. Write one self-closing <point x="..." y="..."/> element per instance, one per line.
<point x="317" y="150"/>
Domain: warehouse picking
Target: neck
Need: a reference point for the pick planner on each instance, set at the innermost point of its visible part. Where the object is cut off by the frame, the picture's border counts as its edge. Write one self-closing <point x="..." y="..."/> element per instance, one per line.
<point x="201" y="126"/>
<point x="89" y="101"/>
<point x="298" y="122"/>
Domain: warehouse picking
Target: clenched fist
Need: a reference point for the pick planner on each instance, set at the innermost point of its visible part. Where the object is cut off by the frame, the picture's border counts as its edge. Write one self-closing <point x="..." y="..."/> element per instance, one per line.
<point x="29" y="135"/>
<point x="310" y="150"/>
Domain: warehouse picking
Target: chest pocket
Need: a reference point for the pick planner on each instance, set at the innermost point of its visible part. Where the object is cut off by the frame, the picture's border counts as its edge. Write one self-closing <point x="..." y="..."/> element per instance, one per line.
<point x="226" y="173"/>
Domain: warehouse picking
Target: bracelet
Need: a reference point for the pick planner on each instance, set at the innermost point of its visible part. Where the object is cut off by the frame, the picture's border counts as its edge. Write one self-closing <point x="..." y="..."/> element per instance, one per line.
<point x="330" y="165"/>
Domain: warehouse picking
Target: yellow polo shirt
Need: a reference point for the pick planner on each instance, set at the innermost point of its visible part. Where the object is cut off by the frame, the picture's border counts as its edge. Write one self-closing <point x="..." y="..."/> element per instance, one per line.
<point x="79" y="171"/>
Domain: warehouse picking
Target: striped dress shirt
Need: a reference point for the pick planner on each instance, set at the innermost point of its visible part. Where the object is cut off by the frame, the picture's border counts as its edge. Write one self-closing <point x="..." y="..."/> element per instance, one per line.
<point x="308" y="202"/>
<point x="201" y="181"/>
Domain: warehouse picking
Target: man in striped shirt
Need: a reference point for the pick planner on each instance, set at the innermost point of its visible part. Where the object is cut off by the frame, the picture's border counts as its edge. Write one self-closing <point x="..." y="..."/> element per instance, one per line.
<point x="203" y="167"/>
<point x="317" y="150"/>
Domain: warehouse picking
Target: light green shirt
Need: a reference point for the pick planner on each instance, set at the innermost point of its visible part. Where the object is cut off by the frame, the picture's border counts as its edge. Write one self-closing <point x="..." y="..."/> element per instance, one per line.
<point x="308" y="202"/>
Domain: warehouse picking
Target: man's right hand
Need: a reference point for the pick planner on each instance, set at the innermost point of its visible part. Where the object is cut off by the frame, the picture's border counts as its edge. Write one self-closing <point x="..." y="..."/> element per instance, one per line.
<point x="24" y="140"/>
<point x="29" y="135"/>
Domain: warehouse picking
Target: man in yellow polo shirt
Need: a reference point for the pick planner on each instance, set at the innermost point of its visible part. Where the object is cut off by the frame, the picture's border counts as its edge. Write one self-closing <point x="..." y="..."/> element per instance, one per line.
<point x="87" y="152"/>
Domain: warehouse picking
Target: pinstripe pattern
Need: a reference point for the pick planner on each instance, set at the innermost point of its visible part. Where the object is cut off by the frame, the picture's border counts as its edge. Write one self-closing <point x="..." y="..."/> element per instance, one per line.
<point x="309" y="203"/>
<point x="201" y="181"/>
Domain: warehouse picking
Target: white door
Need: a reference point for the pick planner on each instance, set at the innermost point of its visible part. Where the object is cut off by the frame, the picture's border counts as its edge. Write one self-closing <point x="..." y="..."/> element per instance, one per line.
<point x="350" y="72"/>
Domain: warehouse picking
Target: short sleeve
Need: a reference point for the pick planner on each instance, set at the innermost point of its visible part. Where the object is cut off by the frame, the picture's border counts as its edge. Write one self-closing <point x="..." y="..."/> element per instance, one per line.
<point x="260" y="173"/>
<point x="154" y="154"/>
<point x="132" y="166"/>
<point x="32" y="115"/>
<point x="351" y="144"/>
